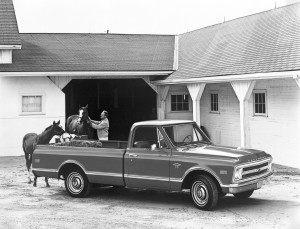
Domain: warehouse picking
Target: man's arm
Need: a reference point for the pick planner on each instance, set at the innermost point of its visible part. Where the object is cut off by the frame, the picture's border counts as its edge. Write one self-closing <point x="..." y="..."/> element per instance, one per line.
<point x="100" y="125"/>
<point x="94" y="121"/>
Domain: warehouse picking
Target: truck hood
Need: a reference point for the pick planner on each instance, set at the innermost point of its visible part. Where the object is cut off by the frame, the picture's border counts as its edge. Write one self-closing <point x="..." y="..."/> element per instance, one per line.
<point x="243" y="155"/>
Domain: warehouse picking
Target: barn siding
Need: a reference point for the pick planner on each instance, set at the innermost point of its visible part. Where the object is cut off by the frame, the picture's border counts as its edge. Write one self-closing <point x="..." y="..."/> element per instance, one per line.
<point x="277" y="134"/>
<point x="224" y="127"/>
<point x="16" y="125"/>
<point x="185" y="115"/>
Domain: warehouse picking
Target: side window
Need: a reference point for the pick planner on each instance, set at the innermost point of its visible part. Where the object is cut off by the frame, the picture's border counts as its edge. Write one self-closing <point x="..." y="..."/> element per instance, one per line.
<point x="260" y="102"/>
<point x="144" y="137"/>
<point x="214" y="102"/>
<point x="32" y="104"/>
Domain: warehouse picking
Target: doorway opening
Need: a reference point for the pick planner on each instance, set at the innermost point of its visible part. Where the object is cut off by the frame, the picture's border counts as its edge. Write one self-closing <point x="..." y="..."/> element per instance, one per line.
<point x="126" y="100"/>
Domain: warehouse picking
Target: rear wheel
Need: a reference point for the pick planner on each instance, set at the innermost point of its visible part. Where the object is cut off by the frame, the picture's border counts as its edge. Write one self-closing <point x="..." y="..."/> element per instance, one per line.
<point x="244" y="195"/>
<point x="76" y="183"/>
<point x="204" y="192"/>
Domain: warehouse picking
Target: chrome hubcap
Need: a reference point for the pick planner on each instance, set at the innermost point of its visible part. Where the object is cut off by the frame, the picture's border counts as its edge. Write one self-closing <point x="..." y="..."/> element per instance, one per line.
<point x="75" y="183"/>
<point x="200" y="193"/>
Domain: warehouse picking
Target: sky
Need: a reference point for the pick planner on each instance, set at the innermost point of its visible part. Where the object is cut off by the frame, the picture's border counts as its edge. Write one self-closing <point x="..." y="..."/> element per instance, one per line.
<point x="133" y="16"/>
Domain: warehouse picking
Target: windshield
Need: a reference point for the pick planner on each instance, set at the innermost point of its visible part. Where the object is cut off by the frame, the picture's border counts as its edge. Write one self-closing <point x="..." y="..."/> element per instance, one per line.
<point x="186" y="134"/>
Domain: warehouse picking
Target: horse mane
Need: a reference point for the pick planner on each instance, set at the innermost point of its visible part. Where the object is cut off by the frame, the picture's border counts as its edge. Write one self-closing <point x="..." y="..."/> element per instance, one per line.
<point x="48" y="127"/>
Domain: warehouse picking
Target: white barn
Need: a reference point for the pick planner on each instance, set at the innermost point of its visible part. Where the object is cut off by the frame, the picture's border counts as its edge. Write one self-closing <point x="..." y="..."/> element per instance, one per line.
<point x="243" y="77"/>
<point x="239" y="79"/>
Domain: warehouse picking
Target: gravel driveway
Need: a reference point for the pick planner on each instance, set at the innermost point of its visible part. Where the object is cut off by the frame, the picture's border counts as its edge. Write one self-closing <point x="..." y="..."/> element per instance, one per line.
<point x="276" y="205"/>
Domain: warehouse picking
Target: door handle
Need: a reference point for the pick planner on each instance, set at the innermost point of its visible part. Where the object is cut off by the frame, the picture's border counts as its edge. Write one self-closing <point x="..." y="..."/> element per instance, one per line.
<point x="132" y="155"/>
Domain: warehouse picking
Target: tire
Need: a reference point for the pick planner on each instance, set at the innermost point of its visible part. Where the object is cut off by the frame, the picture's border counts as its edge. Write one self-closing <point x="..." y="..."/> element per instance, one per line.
<point x="244" y="195"/>
<point x="76" y="183"/>
<point x="204" y="192"/>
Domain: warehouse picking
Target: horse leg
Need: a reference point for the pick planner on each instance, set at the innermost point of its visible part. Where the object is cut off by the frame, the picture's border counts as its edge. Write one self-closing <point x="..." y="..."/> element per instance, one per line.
<point x="28" y="174"/>
<point x="34" y="182"/>
<point x="46" y="180"/>
<point x="29" y="179"/>
<point x="28" y="165"/>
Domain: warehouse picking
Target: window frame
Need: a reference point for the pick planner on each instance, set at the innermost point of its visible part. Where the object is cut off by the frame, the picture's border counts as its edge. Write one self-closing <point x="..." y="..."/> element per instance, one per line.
<point x="43" y="100"/>
<point x="260" y="91"/>
<point x="210" y="102"/>
<point x="182" y="94"/>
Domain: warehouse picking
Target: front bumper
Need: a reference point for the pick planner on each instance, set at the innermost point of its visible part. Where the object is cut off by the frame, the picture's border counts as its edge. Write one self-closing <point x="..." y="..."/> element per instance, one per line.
<point x="245" y="186"/>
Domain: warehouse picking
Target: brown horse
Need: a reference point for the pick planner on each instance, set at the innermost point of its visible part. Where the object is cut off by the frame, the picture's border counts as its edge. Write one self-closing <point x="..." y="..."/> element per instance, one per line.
<point x="80" y="124"/>
<point x="30" y="141"/>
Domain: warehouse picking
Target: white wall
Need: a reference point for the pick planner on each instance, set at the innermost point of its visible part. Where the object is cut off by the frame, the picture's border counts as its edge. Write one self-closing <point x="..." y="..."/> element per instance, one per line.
<point x="277" y="134"/>
<point x="224" y="127"/>
<point x="14" y="125"/>
<point x="184" y="115"/>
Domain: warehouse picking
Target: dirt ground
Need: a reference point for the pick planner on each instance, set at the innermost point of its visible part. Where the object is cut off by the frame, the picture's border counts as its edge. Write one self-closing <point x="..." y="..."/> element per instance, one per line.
<point x="275" y="205"/>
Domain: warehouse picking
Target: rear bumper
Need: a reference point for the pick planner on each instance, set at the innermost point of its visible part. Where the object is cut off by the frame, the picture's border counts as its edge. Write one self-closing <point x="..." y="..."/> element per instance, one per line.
<point x="246" y="186"/>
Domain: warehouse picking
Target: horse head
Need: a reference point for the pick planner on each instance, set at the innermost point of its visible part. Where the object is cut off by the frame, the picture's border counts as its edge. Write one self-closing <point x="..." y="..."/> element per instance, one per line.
<point x="83" y="114"/>
<point x="57" y="128"/>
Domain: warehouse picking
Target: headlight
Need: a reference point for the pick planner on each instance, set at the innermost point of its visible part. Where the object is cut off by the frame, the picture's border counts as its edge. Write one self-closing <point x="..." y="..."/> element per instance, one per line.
<point x="238" y="174"/>
<point x="270" y="165"/>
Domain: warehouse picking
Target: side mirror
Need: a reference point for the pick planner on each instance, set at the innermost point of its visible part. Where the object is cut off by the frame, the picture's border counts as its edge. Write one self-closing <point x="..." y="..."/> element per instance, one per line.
<point x="153" y="147"/>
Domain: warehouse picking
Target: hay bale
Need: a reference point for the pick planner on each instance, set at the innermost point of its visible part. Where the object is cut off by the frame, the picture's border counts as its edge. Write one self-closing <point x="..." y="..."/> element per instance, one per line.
<point x="81" y="143"/>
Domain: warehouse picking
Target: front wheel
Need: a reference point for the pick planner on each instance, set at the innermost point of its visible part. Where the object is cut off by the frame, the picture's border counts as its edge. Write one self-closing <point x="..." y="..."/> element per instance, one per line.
<point x="204" y="192"/>
<point x="76" y="183"/>
<point x="244" y="195"/>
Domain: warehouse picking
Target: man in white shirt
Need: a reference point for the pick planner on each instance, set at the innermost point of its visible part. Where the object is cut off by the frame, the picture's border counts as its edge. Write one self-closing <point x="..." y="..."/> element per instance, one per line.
<point x="102" y="126"/>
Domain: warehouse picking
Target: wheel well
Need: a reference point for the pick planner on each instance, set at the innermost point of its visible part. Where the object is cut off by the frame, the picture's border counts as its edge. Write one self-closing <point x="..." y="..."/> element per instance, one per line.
<point x="66" y="167"/>
<point x="189" y="178"/>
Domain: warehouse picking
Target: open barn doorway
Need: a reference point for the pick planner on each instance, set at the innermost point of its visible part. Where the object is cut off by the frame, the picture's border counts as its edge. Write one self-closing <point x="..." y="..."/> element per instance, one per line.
<point x="126" y="100"/>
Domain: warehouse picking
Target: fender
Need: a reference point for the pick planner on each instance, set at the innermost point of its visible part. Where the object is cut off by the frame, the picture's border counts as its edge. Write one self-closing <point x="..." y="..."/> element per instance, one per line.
<point x="197" y="168"/>
<point x="71" y="162"/>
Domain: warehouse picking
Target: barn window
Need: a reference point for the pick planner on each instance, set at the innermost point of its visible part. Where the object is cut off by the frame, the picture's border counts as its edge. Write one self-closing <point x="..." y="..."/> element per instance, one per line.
<point x="32" y="104"/>
<point x="260" y="101"/>
<point x="214" y="102"/>
<point x="180" y="102"/>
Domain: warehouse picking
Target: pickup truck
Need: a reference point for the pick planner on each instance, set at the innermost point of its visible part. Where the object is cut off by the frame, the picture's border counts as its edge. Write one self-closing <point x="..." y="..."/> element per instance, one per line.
<point x="170" y="155"/>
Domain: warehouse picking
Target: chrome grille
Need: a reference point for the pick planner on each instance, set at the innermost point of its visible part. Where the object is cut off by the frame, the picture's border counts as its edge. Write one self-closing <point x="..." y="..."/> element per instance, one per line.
<point x="255" y="170"/>
<point x="255" y="167"/>
<point x="254" y="173"/>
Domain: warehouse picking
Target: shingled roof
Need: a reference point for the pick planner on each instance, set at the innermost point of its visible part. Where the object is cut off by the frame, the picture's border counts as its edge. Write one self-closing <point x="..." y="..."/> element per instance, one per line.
<point x="9" y="32"/>
<point x="92" y="52"/>
<point x="260" y="43"/>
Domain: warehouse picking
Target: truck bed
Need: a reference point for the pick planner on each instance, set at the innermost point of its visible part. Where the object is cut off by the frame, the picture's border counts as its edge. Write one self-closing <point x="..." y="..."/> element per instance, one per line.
<point x="101" y="165"/>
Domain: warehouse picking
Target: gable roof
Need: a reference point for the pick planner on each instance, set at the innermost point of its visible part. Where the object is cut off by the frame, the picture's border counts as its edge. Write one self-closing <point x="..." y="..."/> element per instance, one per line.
<point x="260" y="43"/>
<point x="9" y="32"/>
<point x="92" y="52"/>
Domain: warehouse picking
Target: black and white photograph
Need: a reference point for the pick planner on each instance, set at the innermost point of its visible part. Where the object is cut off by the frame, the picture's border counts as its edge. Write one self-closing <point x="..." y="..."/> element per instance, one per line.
<point x="149" y="114"/>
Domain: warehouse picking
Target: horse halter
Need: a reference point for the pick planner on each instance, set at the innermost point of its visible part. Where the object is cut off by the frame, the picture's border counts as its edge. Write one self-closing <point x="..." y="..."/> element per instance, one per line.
<point x="82" y="116"/>
<point x="60" y="132"/>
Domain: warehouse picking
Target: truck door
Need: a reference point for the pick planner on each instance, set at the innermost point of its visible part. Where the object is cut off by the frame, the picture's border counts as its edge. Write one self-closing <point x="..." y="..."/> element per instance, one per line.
<point x="148" y="159"/>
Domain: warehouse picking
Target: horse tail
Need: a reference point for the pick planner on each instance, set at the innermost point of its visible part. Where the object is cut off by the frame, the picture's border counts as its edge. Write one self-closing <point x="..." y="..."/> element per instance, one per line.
<point x="26" y="153"/>
<point x="29" y="144"/>
<point x="28" y="158"/>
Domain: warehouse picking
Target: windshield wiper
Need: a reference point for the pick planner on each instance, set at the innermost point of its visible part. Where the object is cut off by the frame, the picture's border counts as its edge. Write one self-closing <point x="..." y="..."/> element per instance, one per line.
<point x="194" y="145"/>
